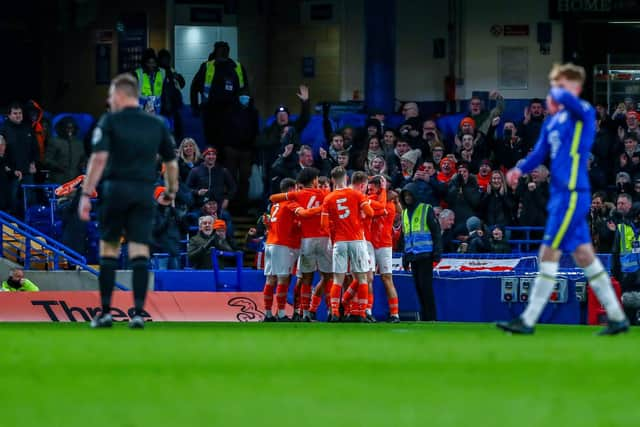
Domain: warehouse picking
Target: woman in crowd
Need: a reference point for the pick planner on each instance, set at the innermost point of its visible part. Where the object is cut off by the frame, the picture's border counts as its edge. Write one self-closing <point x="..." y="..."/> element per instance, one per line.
<point x="188" y="157"/>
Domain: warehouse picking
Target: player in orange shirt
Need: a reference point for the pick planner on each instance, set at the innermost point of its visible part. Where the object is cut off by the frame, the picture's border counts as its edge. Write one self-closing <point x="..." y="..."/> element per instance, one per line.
<point x="342" y="212"/>
<point x="382" y="240"/>
<point x="315" y="249"/>
<point x="281" y="252"/>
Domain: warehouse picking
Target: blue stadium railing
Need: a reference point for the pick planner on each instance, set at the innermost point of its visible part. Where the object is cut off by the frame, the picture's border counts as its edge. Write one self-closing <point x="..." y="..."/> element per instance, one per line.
<point x="26" y="243"/>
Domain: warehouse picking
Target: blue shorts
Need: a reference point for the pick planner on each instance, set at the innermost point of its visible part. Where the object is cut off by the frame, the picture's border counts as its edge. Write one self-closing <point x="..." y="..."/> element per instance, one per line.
<point x="567" y="226"/>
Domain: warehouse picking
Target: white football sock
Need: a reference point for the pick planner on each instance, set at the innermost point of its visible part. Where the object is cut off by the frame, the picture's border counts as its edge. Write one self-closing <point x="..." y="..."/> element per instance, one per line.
<point x="601" y="284"/>
<point x="542" y="289"/>
<point x="282" y="313"/>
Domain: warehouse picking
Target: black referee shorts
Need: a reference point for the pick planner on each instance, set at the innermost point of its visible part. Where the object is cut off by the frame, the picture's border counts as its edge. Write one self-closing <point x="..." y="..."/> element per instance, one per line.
<point x="126" y="210"/>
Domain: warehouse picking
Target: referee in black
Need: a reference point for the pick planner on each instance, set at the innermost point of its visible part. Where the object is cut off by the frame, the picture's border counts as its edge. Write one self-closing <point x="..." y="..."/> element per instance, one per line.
<point x="125" y="144"/>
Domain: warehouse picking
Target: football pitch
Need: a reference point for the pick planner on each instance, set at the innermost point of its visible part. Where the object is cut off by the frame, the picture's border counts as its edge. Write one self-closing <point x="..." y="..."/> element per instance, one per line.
<point x="226" y="374"/>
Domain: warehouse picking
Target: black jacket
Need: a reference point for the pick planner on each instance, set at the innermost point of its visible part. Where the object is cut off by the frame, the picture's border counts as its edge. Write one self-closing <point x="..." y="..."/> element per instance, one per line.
<point x="22" y="146"/>
<point x="217" y="180"/>
<point x="225" y="71"/>
<point x="464" y="199"/>
<point x="498" y="209"/>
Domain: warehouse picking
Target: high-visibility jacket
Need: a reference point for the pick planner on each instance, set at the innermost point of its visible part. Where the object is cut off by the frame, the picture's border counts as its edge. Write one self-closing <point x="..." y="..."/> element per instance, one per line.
<point x="417" y="236"/>
<point x="211" y="71"/>
<point x="629" y="248"/>
<point x="148" y="90"/>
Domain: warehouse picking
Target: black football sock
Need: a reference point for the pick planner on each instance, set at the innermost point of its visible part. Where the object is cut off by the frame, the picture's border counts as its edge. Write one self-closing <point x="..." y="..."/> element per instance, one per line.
<point x="140" y="267"/>
<point x="107" y="281"/>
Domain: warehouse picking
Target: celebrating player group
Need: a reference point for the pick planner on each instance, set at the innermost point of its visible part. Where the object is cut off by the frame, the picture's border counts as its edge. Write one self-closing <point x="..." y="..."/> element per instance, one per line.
<point x="341" y="233"/>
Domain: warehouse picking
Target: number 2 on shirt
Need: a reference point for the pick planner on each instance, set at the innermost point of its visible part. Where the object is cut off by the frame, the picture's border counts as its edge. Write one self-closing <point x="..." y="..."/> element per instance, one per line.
<point x="342" y="208"/>
<point x="276" y="208"/>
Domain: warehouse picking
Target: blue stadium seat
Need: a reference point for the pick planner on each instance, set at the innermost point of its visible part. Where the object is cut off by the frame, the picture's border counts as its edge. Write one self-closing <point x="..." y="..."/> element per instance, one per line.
<point x="394" y="121"/>
<point x="352" y="119"/>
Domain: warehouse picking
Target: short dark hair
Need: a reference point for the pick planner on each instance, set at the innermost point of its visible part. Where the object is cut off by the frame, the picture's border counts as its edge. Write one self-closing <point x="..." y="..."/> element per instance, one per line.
<point x="359" y="177"/>
<point x="15" y="105"/>
<point x="536" y="101"/>
<point x="626" y="196"/>
<point x="630" y="135"/>
<point x="338" y="173"/>
<point x="599" y="194"/>
<point x="343" y="153"/>
<point x="323" y="180"/>
<point x="307" y="176"/>
<point x="126" y="84"/>
<point x="376" y="180"/>
<point x="287" y="184"/>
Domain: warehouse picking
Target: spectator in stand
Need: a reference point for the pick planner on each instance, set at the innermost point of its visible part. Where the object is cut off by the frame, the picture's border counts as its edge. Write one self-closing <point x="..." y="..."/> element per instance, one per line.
<point x="5" y="177"/>
<point x="484" y="175"/>
<point x="377" y="166"/>
<point x="430" y="136"/>
<point x="498" y="204"/>
<point x="389" y="139"/>
<point x="22" y="154"/>
<point x="437" y="154"/>
<point x="168" y="227"/>
<point x="172" y="95"/>
<point x="498" y="243"/>
<point x="188" y="157"/>
<point x="477" y="241"/>
<point x="483" y="117"/>
<point x="348" y="134"/>
<point x="530" y="127"/>
<point x="209" y="181"/>
<point x="282" y="132"/>
<point x="393" y="163"/>
<point x="631" y="126"/>
<point x="373" y="150"/>
<point x="411" y="128"/>
<point x="335" y="146"/>
<point x="290" y="164"/>
<point x="509" y="149"/>
<point x="463" y="194"/>
<point x="604" y="119"/>
<point x="619" y="114"/>
<point x="623" y="183"/>
<point x="533" y="193"/>
<point x="65" y="156"/>
<point x="625" y="161"/>
<point x="373" y="128"/>
<point x="446" y="219"/>
<point x="343" y="162"/>
<point x="471" y="153"/>
<point x="601" y="225"/>
<point x="16" y="282"/>
<point x="200" y="245"/>
<point x="439" y="188"/>
<point x="219" y="81"/>
<point x="468" y="127"/>
<point x="426" y="188"/>
<point x="407" y="167"/>
<point x="597" y="175"/>
<point x="240" y="145"/>
<point x="447" y="170"/>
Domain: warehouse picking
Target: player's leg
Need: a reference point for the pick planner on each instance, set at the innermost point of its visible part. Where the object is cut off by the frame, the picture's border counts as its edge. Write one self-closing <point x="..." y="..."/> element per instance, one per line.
<point x="283" y="260"/>
<point x="340" y="260"/>
<point x="384" y="264"/>
<point x="281" y="296"/>
<point x="269" y="285"/>
<point x="307" y="265"/>
<point x="359" y="258"/>
<point x="109" y="252"/>
<point x="600" y="282"/>
<point x="139" y="262"/>
<point x="370" y="274"/>
<point x="305" y="295"/>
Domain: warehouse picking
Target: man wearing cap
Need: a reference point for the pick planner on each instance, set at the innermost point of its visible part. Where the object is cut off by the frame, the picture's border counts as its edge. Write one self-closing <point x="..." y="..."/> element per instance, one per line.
<point x="209" y="181"/>
<point x="218" y="83"/>
<point x="126" y="145"/>
<point x="283" y="132"/>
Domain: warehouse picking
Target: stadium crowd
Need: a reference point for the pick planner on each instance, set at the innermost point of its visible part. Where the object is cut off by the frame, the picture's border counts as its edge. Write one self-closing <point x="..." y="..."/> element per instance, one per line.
<point x="461" y="177"/>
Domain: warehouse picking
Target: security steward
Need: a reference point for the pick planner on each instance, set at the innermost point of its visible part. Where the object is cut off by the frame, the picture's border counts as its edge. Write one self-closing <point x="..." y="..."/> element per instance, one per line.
<point x="626" y="261"/>
<point x="422" y="247"/>
<point x="219" y="81"/>
<point x="126" y="143"/>
<point x="151" y="81"/>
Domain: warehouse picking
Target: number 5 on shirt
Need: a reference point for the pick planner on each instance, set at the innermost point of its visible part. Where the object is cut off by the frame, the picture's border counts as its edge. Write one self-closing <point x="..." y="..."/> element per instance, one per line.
<point x="344" y="210"/>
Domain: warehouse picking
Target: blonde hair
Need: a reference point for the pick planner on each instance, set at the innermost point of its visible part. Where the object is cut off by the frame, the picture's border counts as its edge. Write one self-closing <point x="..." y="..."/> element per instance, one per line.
<point x="569" y="71"/>
<point x="196" y="150"/>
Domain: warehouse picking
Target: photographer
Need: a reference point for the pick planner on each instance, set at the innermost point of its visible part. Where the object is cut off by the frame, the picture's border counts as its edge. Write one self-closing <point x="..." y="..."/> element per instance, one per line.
<point x="464" y="194"/>
<point x="16" y="282"/>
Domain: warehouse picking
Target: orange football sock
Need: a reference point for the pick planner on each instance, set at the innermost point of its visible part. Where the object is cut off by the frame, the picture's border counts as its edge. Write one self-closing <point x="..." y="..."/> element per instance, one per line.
<point x="362" y="299"/>
<point x="370" y="301"/>
<point x="349" y="293"/>
<point x="267" y="294"/>
<point x="315" y="303"/>
<point x="296" y="297"/>
<point x="393" y="306"/>
<point x="336" y="290"/>
<point x="281" y="296"/>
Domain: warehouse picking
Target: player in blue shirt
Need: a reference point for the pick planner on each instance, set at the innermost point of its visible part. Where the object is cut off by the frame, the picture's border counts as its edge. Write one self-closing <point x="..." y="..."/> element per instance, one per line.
<point x="566" y="137"/>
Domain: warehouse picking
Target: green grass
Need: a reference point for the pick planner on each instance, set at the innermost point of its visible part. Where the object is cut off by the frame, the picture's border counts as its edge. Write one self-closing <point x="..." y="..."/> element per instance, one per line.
<point x="315" y="375"/>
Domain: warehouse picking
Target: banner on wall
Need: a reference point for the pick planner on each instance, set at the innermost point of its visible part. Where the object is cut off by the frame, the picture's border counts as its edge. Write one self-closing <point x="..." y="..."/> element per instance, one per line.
<point x="462" y="264"/>
<point x="81" y="306"/>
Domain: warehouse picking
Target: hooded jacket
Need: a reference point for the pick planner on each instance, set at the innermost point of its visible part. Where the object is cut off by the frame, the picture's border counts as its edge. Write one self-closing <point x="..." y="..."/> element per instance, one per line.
<point x="65" y="156"/>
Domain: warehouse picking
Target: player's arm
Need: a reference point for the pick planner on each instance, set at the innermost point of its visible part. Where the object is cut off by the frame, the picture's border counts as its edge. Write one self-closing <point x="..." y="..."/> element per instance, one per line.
<point x="538" y="154"/>
<point x="306" y="213"/>
<point x="325" y="224"/>
<point x="281" y="197"/>
<point x="571" y="103"/>
<point x="366" y="208"/>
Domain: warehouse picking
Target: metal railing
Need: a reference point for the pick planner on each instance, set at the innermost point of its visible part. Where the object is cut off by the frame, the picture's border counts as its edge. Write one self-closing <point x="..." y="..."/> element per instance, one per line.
<point x="26" y="243"/>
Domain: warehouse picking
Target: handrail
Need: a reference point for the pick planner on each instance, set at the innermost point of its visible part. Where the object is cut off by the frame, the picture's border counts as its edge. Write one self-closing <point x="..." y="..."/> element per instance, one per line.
<point x="34" y="231"/>
<point x="71" y="256"/>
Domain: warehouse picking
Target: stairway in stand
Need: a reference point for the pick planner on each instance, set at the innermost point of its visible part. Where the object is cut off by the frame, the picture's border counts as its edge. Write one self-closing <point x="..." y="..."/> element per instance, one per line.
<point x="241" y="225"/>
